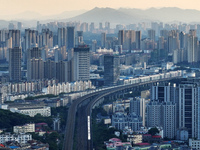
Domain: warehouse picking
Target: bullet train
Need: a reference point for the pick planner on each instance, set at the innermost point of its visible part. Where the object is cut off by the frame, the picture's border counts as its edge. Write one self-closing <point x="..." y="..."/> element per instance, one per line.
<point x="166" y="75"/>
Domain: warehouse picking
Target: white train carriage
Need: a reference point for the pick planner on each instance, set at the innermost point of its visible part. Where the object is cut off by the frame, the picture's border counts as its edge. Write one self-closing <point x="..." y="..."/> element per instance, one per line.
<point x="155" y="77"/>
<point x="144" y="79"/>
<point x="126" y="81"/>
<point x="167" y="75"/>
<point x="174" y="74"/>
<point x="162" y="75"/>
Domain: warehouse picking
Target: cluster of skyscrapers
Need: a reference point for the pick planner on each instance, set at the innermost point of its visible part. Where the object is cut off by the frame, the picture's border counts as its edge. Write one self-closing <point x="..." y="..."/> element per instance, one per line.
<point x="69" y="63"/>
<point x="58" y="52"/>
<point x="175" y="107"/>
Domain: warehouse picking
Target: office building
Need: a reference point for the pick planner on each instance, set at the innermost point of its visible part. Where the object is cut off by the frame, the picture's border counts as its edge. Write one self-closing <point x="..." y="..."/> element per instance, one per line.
<point x="188" y="108"/>
<point x="111" y="69"/>
<point x="15" y="63"/>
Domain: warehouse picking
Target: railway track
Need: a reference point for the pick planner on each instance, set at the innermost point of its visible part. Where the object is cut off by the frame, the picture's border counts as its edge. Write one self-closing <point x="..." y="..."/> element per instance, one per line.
<point x="83" y="135"/>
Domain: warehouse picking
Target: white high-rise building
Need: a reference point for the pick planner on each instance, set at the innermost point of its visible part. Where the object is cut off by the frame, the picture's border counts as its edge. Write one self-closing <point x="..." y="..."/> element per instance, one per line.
<point x="162" y="115"/>
<point x="169" y="119"/>
<point x="192" y="49"/>
<point x="154" y="114"/>
<point x="81" y="63"/>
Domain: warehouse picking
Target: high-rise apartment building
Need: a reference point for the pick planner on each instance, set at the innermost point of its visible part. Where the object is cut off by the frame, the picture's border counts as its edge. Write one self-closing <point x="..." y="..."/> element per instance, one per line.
<point x="153" y="114"/>
<point x="30" y="38"/>
<point x="169" y="119"/>
<point x="47" y="38"/>
<point x="192" y="49"/>
<point x="35" y="66"/>
<point x="62" y="71"/>
<point x="162" y="115"/>
<point x="15" y="63"/>
<point x="15" y="35"/>
<point x="62" y="37"/>
<point x="49" y="69"/>
<point x="36" y="69"/>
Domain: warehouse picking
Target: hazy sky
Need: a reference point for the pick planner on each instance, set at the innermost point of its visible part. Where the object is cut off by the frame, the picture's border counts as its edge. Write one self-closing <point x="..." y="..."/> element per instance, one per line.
<point x="49" y="7"/>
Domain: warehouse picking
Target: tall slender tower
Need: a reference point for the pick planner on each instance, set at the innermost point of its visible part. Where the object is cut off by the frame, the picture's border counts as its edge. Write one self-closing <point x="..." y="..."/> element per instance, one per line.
<point x="138" y="39"/>
<point x="103" y="40"/>
<point x="70" y="37"/>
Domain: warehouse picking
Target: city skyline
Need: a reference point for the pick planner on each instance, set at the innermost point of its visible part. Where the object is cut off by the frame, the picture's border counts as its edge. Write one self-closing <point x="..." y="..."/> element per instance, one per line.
<point x="53" y="7"/>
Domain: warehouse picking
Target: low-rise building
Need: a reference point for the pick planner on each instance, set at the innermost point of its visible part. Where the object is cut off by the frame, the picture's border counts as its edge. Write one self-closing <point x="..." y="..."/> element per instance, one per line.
<point x="121" y="120"/>
<point x="30" y="127"/>
<point x="32" y="111"/>
<point x="194" y="144"/>
<point x="20" y="138"/>
<point x="137" y="138"/>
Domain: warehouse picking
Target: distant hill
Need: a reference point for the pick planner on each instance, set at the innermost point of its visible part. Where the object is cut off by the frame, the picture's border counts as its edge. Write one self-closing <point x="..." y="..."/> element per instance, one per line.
<point x="121" y="15"/>
<point x="30" y="15"/>
<point x="132" y="15"/>
<point x="107" y="14"/>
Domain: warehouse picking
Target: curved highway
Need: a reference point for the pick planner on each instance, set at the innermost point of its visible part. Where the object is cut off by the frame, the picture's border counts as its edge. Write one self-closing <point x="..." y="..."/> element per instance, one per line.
<point x="81" y="108"/>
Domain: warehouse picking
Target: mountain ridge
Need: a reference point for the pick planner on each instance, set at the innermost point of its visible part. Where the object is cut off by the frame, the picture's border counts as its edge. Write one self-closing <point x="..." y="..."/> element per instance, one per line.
<point x="115" y="16"/>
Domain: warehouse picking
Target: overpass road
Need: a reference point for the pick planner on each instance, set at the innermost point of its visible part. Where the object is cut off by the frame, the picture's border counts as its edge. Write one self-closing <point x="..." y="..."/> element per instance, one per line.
<point x="79" y="113"/>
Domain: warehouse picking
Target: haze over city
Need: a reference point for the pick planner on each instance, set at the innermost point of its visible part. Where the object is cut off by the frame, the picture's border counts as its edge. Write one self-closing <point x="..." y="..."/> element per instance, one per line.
<point x="52" y="7"/>
<point x="99" y="74"/>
